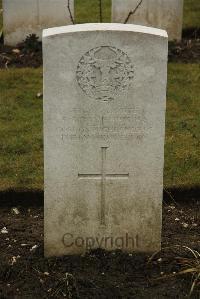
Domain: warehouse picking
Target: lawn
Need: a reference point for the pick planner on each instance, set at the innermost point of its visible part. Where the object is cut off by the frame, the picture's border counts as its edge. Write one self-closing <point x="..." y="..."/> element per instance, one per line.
<point x="21" y="159"/>
<point x="191" y="17"/>
<point x="182" y="148"/>
<point x="83" y="6"/>
<point x="21" y="148"/>
<point x="21" y="162"/>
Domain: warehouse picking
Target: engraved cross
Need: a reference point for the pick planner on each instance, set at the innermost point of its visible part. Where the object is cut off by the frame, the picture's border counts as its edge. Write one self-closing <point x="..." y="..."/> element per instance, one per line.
<point x="103" y="176"/>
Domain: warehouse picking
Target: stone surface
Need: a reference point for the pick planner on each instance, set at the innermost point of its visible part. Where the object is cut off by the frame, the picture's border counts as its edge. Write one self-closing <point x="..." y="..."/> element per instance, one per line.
<point x="104" y="127"/>
<point x="163" y="14"/>
<point x="24" y="17"/>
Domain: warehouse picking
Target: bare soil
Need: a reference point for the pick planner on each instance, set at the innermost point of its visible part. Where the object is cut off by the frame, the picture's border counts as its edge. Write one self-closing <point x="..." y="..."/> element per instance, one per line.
<point x="25" y="273"/>
<point x="186" y="51"/>
<point x="20" y="57"/>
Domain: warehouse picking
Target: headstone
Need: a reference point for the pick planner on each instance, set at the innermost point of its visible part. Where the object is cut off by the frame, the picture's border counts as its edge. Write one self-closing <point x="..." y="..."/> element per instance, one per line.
<point x="104" y="128"/>
<point x="163" y="14"/>
<point x="24" y="17"/>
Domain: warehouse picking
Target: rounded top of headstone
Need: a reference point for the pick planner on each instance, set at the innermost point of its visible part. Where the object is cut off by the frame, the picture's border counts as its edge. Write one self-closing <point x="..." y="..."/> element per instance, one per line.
<point x="104" y="27"/>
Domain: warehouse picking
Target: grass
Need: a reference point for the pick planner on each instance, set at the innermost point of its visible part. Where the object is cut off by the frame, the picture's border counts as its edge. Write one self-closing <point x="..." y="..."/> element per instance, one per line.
<point x="88" y="11"/>
<point x="82" y="7"/>
<point x="21" y="150"/>
<point x="182" y="149"/>
<point x="21" y="162"/>
<point x="191" y="17"/>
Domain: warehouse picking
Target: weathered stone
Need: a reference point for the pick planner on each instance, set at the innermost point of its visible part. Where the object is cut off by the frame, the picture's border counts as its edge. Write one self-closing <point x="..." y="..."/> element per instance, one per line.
<point x="163" y="14"/>
<point x="24" y="17"/>
<point x="104" y="128"/>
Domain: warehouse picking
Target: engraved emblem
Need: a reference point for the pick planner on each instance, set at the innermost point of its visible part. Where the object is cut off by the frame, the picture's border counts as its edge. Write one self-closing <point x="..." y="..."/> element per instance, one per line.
<point x="104" y="72"/>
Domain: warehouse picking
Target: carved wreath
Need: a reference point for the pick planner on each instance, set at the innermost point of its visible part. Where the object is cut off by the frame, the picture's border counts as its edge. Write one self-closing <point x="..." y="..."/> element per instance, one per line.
<point x="104" y="72"/>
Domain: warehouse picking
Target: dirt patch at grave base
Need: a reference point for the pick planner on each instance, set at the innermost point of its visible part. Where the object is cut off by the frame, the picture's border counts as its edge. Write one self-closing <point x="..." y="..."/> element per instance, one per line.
<point x="20" y="57"/>
<point x="186" y="51"/>
<point x="25" y="273"/>
<point x="191" y="33"/>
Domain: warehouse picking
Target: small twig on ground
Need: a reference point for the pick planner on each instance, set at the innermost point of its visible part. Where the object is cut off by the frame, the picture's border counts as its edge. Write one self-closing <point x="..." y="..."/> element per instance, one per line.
<point x="67" y="287"/>
<point x="170" y="195"/>
<point x="188" y="266"/>
<point x="6" y="65"/>
<point x="132" y="12"/>
<point x="70" y="13"/>
<point x="100" y="11"/>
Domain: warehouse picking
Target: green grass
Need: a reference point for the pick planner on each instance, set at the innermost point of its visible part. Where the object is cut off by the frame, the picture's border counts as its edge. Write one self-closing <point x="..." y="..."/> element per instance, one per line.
<point x="182" y="149"/>
<point x="21" y="162"/>
<point x="87" y="11"/>
<point x="191" y="17"/>
<point x="21" y="150"/>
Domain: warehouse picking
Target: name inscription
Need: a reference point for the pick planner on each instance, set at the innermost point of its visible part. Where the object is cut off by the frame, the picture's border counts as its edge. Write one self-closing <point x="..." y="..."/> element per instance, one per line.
<point x="120" y="125"/>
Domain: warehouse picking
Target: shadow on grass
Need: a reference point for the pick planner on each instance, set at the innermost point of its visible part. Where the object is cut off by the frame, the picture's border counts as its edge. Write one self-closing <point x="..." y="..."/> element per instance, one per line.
<point x="191" y="33"/>
<point x="26" y="198"/>
<point x="30" y="198"/>
<point x="182" y="194"/>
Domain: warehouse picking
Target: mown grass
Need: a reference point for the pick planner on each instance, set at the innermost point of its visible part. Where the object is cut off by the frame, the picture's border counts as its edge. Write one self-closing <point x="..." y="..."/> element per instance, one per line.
<point x="191" y="16"/>
<point x="87" y="11"/>
<point x="21" y="150"/>
<point x="21" y="162"/>
<point x="182" y="149"/>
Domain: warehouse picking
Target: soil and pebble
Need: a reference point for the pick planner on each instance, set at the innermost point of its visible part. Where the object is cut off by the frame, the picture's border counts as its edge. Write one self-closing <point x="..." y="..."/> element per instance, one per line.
<point x="26" y="273"/>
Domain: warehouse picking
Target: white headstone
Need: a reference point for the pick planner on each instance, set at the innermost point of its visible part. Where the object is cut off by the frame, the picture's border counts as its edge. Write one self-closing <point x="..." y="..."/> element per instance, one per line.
<point x="24" y="17"/>
<point x="163" y="14"/>
<point x="104" y="128"/>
